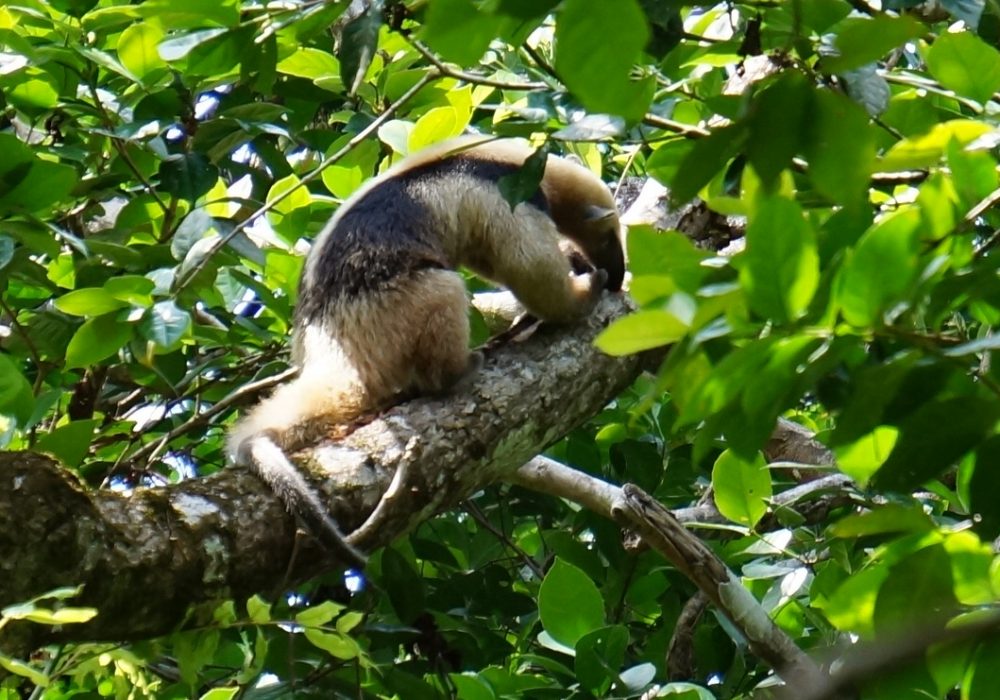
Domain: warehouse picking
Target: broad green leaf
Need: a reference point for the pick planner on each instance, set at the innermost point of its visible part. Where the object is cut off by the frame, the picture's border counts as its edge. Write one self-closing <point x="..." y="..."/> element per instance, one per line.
<point x="90" y="301"/>
<point x="741" y="488"/>
<point x="522" y="184"/>
<point x="966" y="64"/>
<point x="889" y="517"/>
<point x="403" y="586"/>
<point x="258" y="609"/>
<point x="24" y="670"/>
<point x="927" y="149"/>
<point x="187" y="176"/>
<point x="931" y="440"/>
<point x="777" y="125"/>
<point x="599" y="72"/>
<point x="981" y="679"/>
<point x="137" y="49"/>
<point x="70" y="443"/>
<point x="599" y="656"/>
<point x="16" y="398"/>
<point x="458" y="30"/>
<point x="861" y="458"/>
<point x="985" y="485"/>
<point x="219" y="694"/>
<point x="852" y="605"/>
<point x="177" y="48"/>
<point x="881" y="269"/>
<point x="63" y="616"/>
<point x="569" y="604"/>
<point x="165" y="325"/>
<point x="319" y="615"/>
<point x="666" y="254"/>
<point x="921" y="581"/>
<point x="314" y="64"/>
<point x="192" y="13"/>
<point x="97" y="339"/>
<point x="705" y="160"/>
<point x="862" y="40"/>
<point x="971" y="561"/>
<point x="133" y="289"/>
<point x="469" y="687"/>
<point x="349" y="620"/>
<point x="840" y="147"/>
<point x="358" y="41"/>
<point x="436" y="125"/>
<point x="640" y="331"/>
<point x="781" y="266"/>
<point x="337" y="645"/>
<point x="43" y="185"/>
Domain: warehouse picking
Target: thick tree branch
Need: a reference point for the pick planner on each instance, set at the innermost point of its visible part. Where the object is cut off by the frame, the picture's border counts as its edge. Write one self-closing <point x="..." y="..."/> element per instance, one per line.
<point x="144" y="559"/>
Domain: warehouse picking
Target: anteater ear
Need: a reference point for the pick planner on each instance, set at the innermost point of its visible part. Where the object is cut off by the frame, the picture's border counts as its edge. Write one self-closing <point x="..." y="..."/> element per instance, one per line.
<point x="595" y="213"/>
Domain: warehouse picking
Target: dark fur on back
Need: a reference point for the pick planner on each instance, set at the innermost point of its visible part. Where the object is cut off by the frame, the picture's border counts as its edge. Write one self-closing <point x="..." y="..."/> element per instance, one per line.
<point x="387" y="235"/>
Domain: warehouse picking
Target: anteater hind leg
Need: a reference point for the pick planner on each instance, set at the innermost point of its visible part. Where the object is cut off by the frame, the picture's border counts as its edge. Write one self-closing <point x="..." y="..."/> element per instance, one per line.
<point x="440" y="353"/>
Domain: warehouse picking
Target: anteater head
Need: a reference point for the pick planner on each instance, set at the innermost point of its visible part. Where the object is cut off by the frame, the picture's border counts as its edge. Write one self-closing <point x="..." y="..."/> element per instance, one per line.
<point x="584" y="211"/>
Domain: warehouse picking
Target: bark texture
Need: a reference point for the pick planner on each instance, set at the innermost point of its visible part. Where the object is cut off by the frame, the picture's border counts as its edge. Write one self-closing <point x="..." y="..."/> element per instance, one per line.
<point x="145" y="558"/>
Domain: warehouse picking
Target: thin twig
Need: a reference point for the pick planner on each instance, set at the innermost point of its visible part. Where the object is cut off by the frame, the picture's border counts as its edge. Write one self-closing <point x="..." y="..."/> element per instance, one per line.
<point x="484" y="522"/>
<point x="150" y="450"/>
<point x="448" y="71"/>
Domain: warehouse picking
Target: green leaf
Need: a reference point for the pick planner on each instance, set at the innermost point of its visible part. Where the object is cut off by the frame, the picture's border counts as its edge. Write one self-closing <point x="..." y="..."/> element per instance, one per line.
<point x="336" y="645"/>
<point x="599" y="656"/>
<point x="864" y="456"/>
<point x="137" y="49"/>
<point x="921" y="581"/>
<point x="881" y="269"/>
<point x="220" y="694"/>
<point x="705" y="160"/>
<point x="24" y="670"/>
<point x="42" y="186"/>
<point x="187" y="176"/>
<point x="777" y="125"/>
<point x="436" y="125"/>
<point x="319" y="615"/>
<point x="840" y="147"/>
<point x="16" y="397"/>
<point x="888" y="517"/>
<point x="98" y="338"/>
<point x="640" y="331"/>
<point x="63" y="616"/>
<point x="852" y="605"/>
<point x="984" y="487"/>
<point x="963" y="62"/>
<point x="458" y="31"/>
<point x="598" y="72"/>
<point x="781" y="266"/>
<point x="569" y="604"/>
<point x="90" y="301"/>
<point x="178" y="47"/>
<point x="70" y="443"/>
<point x="666" y="254"/>
<point x="358" y="41"/>
<point x="258" y="609"/>
<point x="862" y="40"/>
<point x="927" y="149"/>
<point x="741" y="488"/>
<point x="522" y="184"/>
<point x="319" y="66"/>
<point x="132" y="289"/>
<point x="165" y="325"/>
<point x="931" y="440"/>
<point x="403" y="585"/>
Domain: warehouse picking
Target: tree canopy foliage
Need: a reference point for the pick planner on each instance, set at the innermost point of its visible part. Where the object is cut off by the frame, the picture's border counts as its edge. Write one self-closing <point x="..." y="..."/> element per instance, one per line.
<point x="165" y="162"/>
